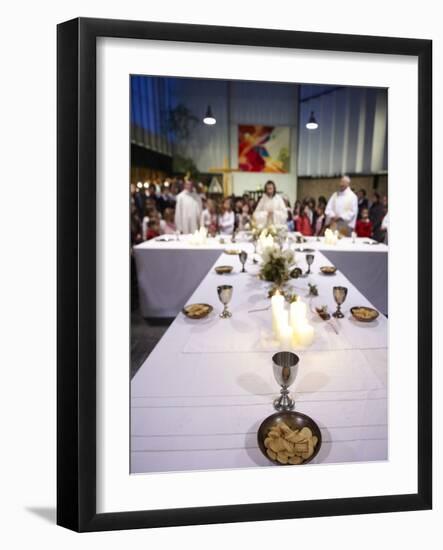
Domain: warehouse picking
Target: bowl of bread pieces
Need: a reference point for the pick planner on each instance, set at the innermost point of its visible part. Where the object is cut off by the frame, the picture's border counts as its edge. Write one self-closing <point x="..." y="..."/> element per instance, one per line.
<point x="289" y="438"/>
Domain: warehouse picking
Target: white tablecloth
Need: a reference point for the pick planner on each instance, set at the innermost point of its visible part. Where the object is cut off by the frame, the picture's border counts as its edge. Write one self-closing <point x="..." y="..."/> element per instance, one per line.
<point x="197" y="401"/>
<point x="169" y="272"/>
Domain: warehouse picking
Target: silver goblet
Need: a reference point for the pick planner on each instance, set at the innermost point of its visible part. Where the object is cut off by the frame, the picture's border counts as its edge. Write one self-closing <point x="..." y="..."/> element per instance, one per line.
<point x="285" y="367"/>
<point x="340" y="293"/>
<point x="309" y="261"/>
<point x="225" y="295"/>
<point x="243" y="256"/>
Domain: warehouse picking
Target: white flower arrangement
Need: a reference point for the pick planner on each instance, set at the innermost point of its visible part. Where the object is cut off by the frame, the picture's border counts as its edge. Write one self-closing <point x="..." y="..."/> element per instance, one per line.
<point x="199" y="237"/>
<point x="276" y="264"/>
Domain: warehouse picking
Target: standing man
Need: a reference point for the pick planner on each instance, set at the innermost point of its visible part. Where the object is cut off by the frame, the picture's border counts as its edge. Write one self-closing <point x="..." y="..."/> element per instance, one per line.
<point x="188" y="209"/>
<point x="342" y="208"/>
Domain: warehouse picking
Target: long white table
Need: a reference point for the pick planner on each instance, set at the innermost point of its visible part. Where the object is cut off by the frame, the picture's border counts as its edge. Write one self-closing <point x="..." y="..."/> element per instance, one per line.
<point x="169" y="272"/>
<point x="197" y="401"/>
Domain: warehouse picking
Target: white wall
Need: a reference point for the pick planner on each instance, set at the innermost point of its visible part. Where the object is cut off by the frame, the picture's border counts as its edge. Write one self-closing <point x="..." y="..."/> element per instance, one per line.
<point x="352" y="133"/>
<point x="235" y="103"/>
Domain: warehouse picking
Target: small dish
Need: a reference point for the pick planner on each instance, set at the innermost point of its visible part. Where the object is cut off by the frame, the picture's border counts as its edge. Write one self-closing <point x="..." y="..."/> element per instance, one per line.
<point x="364" y="314"/>
<point x="328" y="270"/>
<point x="223" y="269"/>
<point x="197" y="311"/>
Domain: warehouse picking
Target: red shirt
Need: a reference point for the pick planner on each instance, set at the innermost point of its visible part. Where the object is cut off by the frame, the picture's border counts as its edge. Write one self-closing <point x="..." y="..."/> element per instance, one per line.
<point x="363" y="228"/>
<point x="151" y="234"/>
<point x="303" y="226"/>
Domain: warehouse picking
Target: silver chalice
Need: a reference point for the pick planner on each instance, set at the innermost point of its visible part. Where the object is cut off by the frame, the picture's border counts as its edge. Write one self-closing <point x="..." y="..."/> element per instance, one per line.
<point x="285" y="367"/>
<point x="340" y="293"/>
<point x="225" y="295"/>
<point x="243" y="256"/>
<point x="309" y="261"/>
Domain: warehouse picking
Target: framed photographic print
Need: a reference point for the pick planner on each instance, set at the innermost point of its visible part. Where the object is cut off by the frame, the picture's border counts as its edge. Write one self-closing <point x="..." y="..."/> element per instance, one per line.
<point x="244" y="274"/>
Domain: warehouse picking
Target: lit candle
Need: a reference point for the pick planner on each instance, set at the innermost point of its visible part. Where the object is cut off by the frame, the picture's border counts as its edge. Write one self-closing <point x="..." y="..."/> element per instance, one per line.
<point x="304" y="335"/>
<point x="297" y="313"/>
<point x="280" y="321"/>
<point x="331" y="237"/>
<point x="277" y="307"/>
<point x="285" y="336"/>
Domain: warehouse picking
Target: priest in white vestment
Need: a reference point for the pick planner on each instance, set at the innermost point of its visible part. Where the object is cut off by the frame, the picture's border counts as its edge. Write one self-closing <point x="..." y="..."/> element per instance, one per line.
<point x="342" y="207"/>
<point x="271" y="208"/>
<point x="188" y="209"/>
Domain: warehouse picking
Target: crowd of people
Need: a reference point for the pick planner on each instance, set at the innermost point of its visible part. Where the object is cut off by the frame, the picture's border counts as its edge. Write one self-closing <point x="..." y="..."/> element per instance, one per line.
<point x="178" y="206"/>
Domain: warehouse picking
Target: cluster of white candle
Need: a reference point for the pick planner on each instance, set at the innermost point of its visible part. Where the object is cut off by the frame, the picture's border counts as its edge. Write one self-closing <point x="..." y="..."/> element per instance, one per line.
<point x="331" y="237"/>
<point x="264" y="241"/>
<point x="200" y="237"/>
<point x="291" y="328"/>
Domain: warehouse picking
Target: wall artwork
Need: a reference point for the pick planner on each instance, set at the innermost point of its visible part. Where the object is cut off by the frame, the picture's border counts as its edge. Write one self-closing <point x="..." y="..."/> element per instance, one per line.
<point x="263" y="148"/>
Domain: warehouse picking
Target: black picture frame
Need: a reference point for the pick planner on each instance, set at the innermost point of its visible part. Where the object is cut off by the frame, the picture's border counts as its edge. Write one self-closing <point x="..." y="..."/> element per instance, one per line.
<point x="76" y="273"/>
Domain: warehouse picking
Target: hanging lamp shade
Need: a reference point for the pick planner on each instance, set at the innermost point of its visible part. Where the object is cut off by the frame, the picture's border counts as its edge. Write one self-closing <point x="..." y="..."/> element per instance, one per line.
<point x="312" y="123"/>
<point x="209" y="117"/>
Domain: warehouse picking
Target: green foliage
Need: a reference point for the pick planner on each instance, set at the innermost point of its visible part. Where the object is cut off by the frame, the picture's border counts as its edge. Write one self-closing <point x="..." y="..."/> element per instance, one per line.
<point x="184" y="165"/>
<point x="275" y="271"/>
<point x="275" y="266"/>
<point x="181" y="121"/>
<point x="313" y="290"/>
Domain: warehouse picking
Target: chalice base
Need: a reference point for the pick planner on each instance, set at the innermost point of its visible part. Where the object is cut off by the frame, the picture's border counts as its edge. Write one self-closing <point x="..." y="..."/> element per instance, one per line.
<point x="225" y="314"/>
<point x="284" y="403"/>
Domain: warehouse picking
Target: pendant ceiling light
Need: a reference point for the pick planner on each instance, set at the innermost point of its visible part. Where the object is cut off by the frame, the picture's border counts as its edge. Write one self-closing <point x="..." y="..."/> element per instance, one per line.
<point x="312" y="123"/>
<point x="209" y="117"/>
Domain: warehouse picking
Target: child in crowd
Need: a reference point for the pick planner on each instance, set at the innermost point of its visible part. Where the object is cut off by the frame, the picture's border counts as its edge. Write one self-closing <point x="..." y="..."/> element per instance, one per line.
<point x="296" y="213"/>
<point x="153" y="229"/>
<point x="209" y="217"/>
<point x="226" y="221"/>
<point x="310" y="210"/>
<point x="167" y="225"/>
<point x="244" y="218"/>
<point x="303" y="224"/>
<point x="363" y="227"/>
<point x="238" y="206"/>
<point x="136" y="233"/>
<point x="320" y="220"/>
<point x="150" y="212"/>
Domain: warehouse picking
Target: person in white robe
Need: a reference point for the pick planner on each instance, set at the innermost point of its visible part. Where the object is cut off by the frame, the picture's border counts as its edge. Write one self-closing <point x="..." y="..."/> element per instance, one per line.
<point x="188" y="210"/>
<point x="342" y="208"/>
<point x="271" y="208"/>
<point x="226" y="220"/>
